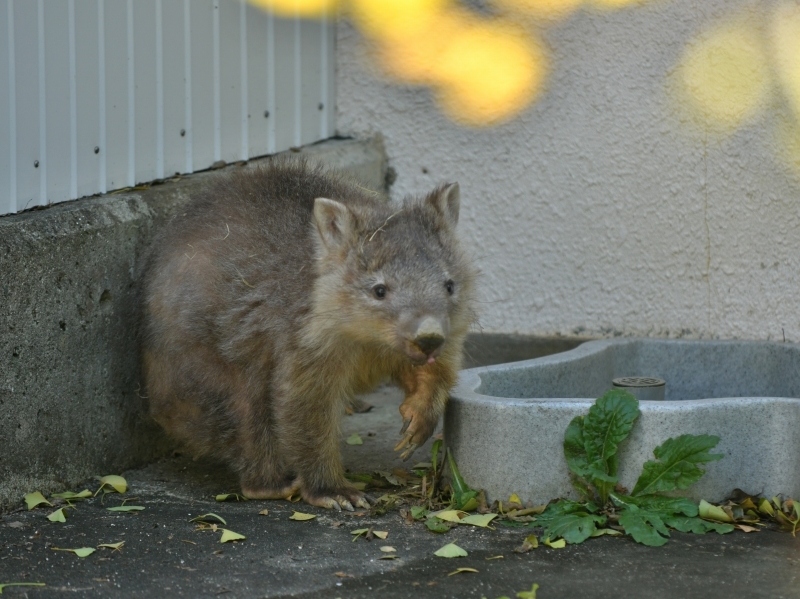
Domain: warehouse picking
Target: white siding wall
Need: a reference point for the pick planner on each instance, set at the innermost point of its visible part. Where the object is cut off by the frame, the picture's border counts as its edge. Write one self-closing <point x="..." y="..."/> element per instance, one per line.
<point x="97" y="95"/>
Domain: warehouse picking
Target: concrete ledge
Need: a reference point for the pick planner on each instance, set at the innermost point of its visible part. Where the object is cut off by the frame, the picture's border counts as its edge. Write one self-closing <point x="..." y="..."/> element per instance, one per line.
<point x="70" y="405"/>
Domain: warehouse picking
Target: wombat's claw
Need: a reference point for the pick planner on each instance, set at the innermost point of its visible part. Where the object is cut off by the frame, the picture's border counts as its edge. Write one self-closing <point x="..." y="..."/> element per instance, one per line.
<point x="404" y="442"/>
<point x="407" y="453"/>
<point x="406" y="424"/>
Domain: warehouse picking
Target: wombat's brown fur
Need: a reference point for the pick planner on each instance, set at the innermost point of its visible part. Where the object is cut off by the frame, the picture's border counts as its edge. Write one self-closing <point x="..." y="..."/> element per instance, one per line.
<point x="267" y="306"/>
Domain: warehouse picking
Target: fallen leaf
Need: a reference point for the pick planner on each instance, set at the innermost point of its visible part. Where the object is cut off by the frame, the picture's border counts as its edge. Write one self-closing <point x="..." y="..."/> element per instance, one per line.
<point x="20" y="584"/>
<point x="230" y="497"/>
<point x="58" y="516"/>
<point x="354" y="439"/>
<point x="114" y="546"/>
<point x="80" y="552"/>
<point x="187" y="541"/>
<point x="436" y="525"/>
<point x="713" y="512"/>
<point x="495" y="557"/>
<point x="745" y="528"/>
<point x="358" y="532"/>
<point x="229" y="535"/>
<point x="422" y="466"/>
<point x="264" y="512"/>
<point x="529" y="594"/>
<point x="207" y="517"/>
<point x="515" y="499"/>
<point x="34" y="499"/>
<point x="71" y="495"/>
<point x="450" y="550"/>
<point x="381" y="534"/>
<point x="343" y="575"/>
<point x="301" y="516"/>
<point x="460" y="570"/>
<point x="606" y="531"/>
<point x="481" y="520"/>
<point x="15" y="524"/>
<point x="448" y="515"/>
<point x="765" y="507"/>
<point x="119" y="484"/>
<point x="388" y="556"/>
<point x="531" y="542"/>
<point x="559" y="544"/>
<point x="359" y="485"/>
<point x="126" y="508"/>
<point x="387" y="549"/>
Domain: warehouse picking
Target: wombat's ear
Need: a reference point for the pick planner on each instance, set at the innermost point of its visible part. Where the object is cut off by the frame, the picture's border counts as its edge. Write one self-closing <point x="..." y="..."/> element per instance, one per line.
<point x="447" y="201"/>
<point x="334" y="221"/>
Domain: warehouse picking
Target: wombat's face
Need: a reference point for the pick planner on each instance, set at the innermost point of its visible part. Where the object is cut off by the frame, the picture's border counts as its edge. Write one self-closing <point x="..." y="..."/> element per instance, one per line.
<point x="397" y="278"/>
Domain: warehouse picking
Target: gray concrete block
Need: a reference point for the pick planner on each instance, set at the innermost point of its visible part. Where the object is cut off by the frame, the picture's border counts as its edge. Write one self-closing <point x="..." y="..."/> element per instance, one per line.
<point x="505" y="424"/>
<point x="70" y="401"/>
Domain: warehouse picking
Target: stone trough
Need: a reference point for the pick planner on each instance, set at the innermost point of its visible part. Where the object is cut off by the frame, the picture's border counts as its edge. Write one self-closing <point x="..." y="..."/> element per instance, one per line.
<point x="505" y="423"/>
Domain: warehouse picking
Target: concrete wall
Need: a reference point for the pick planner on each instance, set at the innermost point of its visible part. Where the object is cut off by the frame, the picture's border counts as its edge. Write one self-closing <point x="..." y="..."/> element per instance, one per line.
<point x="598" y="212"/>
<point x="70" y="405"/>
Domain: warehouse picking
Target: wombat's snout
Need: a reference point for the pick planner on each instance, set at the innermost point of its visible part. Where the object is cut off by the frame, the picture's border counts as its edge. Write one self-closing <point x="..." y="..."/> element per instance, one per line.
<point x="427" y="340"/>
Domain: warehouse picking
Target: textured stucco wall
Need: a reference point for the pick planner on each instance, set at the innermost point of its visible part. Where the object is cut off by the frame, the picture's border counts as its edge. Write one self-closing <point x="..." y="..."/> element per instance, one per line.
<point x="597" y="212"/>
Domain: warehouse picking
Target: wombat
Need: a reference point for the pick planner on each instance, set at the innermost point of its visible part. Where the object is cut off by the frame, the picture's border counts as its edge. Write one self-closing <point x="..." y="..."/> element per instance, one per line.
<point x="280" y="292"/>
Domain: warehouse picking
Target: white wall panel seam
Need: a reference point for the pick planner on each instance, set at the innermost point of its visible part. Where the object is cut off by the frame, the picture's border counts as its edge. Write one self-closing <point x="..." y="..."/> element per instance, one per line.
<point x="131" y="100"/>
<point x="243" y="77"/>
<point x="12" y="112"/>
<point x="187" y="76"/>
<point x="42" y="109"/>
<point x="217" y="90"/>
<point x="159" y="91"/>
<point x="271" y="83"/>
<point x="73" y="104"/>
<point x="298" y="85"/>
<point x="101" y="87"/>
<point x="323" y="121"/>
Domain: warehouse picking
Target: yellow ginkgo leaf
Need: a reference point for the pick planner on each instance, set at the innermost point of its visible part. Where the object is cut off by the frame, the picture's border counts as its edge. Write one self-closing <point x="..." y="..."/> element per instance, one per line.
<point x="301" y="516"/>
<point x="34" y="499"/>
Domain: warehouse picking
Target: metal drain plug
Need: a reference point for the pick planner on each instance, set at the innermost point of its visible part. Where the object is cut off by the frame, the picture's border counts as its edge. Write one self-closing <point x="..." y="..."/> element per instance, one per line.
<point x="643" y="388"/>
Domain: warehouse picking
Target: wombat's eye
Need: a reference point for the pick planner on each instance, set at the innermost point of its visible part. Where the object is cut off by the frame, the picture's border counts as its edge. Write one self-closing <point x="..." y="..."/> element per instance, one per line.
<point x="379" y="291"/>
<point x="450" y="286"/>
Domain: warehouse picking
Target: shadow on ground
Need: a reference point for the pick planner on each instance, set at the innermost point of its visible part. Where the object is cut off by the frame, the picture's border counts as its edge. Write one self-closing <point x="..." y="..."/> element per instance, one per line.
<point x="164" y="555"/>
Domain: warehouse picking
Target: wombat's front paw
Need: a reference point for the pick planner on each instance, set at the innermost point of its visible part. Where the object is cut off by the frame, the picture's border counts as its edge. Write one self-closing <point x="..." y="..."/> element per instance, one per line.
<point x="343" y="496"/>
<point x="418" y="426"/>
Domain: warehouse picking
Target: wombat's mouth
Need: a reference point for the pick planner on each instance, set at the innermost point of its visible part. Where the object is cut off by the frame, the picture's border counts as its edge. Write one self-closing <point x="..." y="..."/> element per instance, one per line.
<point x="421" y="352"/>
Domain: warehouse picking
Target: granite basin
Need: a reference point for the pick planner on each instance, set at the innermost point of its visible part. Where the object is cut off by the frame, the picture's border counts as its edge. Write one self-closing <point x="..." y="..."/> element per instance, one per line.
<point x="505" y="423"/>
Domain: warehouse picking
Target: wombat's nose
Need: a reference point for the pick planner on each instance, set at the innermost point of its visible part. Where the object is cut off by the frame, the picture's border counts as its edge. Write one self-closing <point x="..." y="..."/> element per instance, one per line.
<point x="430" y="336"/>
<point x="429" y="343"/>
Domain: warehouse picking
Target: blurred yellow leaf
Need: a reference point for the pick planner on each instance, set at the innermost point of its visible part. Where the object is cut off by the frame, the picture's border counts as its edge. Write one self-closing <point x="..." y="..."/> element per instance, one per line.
<point x="449" y="515"/>
<point x="354" y="439"/>
<point x="559" y="544"/>
<point x="514" y="499"/>
<point x="724" y="76"/>
<point x="388" y="549"/>
<point x="481" y="520"/>
<point x="396" y="19"/>
<point x="381" y="534"/>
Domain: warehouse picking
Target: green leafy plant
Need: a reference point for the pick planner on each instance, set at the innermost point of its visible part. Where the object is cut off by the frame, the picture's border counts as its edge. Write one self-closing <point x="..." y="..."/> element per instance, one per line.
<point x="591" y="446"/>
